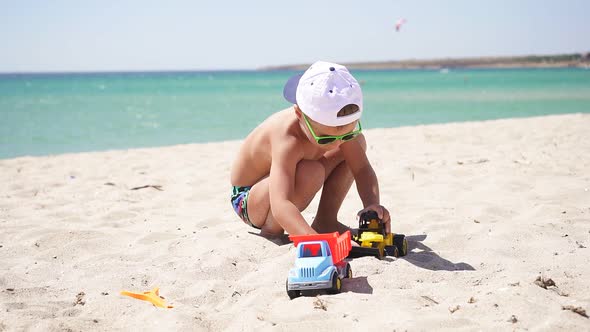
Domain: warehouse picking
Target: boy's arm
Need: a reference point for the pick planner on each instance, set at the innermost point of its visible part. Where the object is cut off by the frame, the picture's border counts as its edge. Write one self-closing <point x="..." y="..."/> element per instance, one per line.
<point x="364" y="175"/>
<point x="365" y="178"/>
<point x="285" y="157"/>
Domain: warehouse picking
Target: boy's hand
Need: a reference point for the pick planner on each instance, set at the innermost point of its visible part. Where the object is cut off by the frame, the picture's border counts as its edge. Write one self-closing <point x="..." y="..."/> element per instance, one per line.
<point x="382" y="213"/>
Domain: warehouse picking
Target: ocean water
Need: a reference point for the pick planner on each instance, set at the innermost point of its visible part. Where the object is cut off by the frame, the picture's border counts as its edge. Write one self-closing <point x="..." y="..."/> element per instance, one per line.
<point x="42" y="114"/>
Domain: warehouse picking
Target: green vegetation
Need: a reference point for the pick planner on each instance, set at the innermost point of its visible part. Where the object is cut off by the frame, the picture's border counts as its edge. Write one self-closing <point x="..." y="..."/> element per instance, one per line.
<point x="528" y="61"/>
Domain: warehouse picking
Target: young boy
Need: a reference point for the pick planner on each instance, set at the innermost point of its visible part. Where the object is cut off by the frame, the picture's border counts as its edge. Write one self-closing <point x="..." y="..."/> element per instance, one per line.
<point x="316" y="143"/>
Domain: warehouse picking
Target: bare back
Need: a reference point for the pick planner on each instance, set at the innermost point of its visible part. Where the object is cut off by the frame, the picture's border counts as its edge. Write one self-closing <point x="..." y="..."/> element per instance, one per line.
<point x="253" y="161"/>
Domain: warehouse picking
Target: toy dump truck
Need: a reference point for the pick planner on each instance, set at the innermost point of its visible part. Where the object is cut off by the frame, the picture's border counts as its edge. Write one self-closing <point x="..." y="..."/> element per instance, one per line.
<point x="373" y="240"/>
<point x="320" y="263"/>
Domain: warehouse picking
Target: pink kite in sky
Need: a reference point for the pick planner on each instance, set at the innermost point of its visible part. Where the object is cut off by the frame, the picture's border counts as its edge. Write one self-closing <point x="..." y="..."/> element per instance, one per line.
<point x="399" y="23"/>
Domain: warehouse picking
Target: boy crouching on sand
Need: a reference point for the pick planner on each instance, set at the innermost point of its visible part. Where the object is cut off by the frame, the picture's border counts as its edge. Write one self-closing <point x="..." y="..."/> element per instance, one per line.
<point x="317" y="143"/>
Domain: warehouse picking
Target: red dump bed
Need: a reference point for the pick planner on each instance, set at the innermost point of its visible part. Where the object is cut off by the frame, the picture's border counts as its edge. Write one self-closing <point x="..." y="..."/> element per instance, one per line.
<point x="339" y="244"/>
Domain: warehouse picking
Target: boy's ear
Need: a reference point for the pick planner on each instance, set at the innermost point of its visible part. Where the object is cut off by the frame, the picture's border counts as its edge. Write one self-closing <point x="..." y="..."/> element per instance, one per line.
<point x="297" y="111"/>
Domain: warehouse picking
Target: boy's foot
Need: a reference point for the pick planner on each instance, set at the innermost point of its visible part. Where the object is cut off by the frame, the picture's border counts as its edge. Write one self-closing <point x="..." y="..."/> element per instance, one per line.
<point x="329" y="227"/>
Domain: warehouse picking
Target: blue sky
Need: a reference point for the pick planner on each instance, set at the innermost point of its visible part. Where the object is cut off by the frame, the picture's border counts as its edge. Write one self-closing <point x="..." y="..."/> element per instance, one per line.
<point x="63" y="35"/>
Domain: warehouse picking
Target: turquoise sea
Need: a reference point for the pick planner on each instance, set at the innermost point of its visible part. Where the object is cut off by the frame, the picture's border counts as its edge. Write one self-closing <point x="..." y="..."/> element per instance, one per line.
<point x="43" y="114"/>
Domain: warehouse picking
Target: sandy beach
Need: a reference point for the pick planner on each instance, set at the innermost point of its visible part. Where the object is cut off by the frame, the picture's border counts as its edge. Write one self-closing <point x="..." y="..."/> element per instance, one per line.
<point x="488" y="208"/>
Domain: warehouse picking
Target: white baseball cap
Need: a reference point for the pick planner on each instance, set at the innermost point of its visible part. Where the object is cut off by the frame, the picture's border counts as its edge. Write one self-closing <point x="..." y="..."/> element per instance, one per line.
<point x="322" y="91"/>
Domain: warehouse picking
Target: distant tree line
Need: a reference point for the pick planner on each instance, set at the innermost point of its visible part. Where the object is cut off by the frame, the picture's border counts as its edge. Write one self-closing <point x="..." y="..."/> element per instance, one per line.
<point x="559" y="60"/>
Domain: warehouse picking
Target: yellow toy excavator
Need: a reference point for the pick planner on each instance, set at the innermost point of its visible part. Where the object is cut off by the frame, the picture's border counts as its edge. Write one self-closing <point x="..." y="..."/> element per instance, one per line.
<point x="374" y="241"/>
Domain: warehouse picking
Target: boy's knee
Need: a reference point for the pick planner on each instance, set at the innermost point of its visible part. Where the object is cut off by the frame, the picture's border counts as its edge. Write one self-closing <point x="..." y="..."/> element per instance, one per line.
<point x="311" y="172"/>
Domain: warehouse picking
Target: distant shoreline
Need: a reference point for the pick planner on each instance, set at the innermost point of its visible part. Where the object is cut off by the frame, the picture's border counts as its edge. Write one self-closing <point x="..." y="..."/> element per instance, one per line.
<point x="573" y="60"/>
<point x="353" y="66"/>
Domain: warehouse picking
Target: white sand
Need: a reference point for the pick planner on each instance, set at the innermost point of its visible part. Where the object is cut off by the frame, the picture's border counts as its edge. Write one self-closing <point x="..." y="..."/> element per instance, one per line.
<point x="488" y="207"/>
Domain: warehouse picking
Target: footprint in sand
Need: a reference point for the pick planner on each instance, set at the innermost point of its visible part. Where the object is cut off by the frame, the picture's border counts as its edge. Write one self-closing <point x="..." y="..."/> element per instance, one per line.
<point x="157" y="237"/>
<point x="209" y="223"/>
<point x="119" y="215"/>
<point x="71" y="312"/>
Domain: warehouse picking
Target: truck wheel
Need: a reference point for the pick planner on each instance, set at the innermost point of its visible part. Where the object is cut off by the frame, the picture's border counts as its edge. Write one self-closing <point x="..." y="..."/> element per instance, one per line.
<point x="400" y="241"/>
<point x="381" y="253"/>
<point x="348" y="271"/>
<point x="392" y="251"/>
<point x="292" y="293"/>
<point x="336" y="284"/>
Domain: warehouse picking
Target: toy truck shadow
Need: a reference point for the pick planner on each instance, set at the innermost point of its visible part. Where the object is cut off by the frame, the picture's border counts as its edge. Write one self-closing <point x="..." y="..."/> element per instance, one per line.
<point x="424" y="257"/>
<point x="320" y="263"/>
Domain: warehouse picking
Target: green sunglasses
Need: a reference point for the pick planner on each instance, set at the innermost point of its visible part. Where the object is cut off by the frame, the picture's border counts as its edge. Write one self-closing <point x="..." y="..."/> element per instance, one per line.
<point x="329" y="139"/>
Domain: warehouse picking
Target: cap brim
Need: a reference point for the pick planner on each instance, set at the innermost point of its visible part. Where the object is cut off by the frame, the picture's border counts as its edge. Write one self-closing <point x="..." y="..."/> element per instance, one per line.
<point x="290" y="88"/>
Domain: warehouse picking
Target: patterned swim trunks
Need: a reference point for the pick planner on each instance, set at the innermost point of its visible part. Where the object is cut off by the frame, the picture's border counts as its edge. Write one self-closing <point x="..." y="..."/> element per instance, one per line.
<point x="239" y="201"/>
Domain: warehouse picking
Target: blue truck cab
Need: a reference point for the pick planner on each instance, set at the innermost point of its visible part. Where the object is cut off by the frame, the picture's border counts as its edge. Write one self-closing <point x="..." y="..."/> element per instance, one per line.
<point x="315" y="268"/>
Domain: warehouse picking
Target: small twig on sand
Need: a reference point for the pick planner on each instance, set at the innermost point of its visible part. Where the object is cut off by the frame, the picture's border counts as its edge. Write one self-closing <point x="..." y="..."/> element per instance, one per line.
<point x="429" y="299"/>
<point x="478" y="161"/>
<point x="577" y="310"/>
<point x="157" y="187"/>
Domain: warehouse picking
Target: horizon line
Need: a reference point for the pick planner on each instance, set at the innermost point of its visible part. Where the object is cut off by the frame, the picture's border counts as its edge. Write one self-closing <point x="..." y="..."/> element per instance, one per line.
<point x="358" y="65"/>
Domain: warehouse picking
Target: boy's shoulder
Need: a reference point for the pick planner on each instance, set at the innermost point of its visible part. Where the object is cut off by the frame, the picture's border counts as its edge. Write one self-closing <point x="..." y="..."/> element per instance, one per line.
<point x="281" y="124"/>
<point x="283" y="131"/>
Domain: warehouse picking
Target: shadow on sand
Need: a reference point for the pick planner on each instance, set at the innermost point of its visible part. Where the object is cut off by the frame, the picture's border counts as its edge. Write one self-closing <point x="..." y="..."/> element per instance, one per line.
<point x="422" y="256"/>
<point x="358" y="285"/>
<point x="279" y="240"/>
<point x="419" y="254"/>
